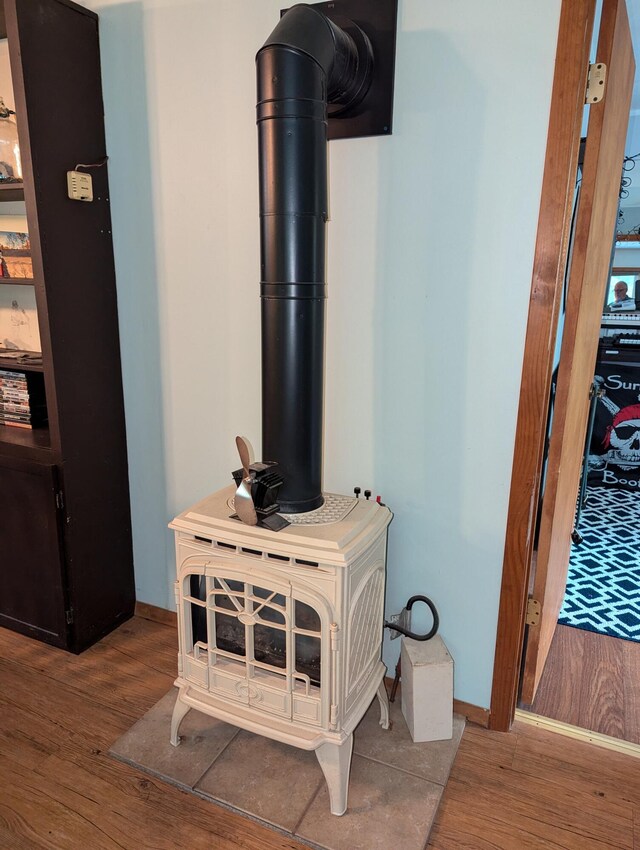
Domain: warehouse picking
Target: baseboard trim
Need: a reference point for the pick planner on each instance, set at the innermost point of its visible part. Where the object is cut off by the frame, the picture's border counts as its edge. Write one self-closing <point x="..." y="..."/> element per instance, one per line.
<point x="596" y="738"/>
<point x="156" y="614"/>
<point x="473" y="713"/>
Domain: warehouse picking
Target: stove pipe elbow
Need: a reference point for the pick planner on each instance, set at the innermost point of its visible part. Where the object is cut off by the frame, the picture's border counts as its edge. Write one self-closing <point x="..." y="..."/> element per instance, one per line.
<point x="306" y="63"/>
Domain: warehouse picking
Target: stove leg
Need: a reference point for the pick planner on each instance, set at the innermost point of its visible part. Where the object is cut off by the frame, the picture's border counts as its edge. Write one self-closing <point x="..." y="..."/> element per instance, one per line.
<point x="180" y="709"/>
<point x="383" y="699"/>
<point x="335" y="761"/>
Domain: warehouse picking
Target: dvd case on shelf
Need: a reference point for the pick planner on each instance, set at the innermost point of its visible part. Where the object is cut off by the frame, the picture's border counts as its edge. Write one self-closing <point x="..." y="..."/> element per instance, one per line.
<point x="22" y="399"/>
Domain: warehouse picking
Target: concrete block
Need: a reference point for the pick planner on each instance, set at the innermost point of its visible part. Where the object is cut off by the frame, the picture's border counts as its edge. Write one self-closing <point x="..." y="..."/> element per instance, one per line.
<point x="427" y="689"/>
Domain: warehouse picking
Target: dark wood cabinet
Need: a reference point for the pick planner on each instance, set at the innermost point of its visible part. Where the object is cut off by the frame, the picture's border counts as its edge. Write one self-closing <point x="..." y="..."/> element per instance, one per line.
<point x="66" y="564"/>
<point x="32" y="593"/>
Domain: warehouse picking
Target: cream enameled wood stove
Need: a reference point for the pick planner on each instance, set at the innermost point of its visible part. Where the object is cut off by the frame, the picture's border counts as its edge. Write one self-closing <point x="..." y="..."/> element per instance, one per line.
<point x="281" y="633"/>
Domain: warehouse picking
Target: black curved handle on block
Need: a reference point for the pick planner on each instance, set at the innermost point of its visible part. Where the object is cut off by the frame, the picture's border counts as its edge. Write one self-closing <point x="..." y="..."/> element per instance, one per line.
<point x="436" y="620"/>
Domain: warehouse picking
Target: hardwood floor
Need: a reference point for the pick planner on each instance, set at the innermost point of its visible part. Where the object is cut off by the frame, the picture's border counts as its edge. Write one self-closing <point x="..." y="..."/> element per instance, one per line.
<point x="59" y="790"/>
<point x="592" y="681"/>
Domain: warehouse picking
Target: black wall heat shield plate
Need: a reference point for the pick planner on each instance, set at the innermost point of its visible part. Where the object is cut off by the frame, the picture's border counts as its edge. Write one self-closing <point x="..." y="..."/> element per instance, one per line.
<point x="378" y="19"/>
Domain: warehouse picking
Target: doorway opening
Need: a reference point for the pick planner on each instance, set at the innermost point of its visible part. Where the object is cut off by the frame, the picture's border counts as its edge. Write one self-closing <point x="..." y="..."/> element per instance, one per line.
<point x="592" y="675"/>
<point x="535" y="576"/>
<point x="591" y="678"/>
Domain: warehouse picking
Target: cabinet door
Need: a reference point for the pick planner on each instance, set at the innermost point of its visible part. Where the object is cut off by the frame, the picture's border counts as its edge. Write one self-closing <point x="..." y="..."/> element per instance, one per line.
<point x="32" y="596"/>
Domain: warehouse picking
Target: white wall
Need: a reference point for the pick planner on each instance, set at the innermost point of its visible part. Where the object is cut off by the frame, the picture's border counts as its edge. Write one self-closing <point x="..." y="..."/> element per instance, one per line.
<point x="627" y="256"/>
<point x="430" y="254"/>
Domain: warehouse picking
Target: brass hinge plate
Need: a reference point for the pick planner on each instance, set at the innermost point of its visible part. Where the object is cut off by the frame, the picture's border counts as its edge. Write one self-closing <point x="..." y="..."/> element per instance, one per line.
<point x="534" y="609"/>
<point x="596" y="80"/>
<point x="69" y="616"/>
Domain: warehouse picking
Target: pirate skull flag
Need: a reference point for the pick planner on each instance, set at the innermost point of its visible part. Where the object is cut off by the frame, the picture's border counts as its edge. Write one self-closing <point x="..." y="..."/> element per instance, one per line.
<point x="614" y="452"/>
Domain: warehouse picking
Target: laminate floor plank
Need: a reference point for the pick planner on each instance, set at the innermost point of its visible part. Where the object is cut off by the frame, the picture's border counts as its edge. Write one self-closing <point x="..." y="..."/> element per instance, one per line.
<point x="631" y="684"/>
<point x="561" y="680"/>
<point x="33" y="809"/>
<point x="489" y="818"/>
<point x="128" y="683"/>
<point x="155" y="643"/>
<point x="520" y="807"/>
<point x="98" y="803"/>
<point x="592" y="681"/>
<point x="547" y="813"/>
<point x="72" y="710"/>
<point x="84" y="809"/>
<point x="601" y="698"/>
<point x="477" y="749"/>
<point x="25" y="737"/>
<point x="13" y="841"/>
<point x="605" y="774"/>
<point x="152" y="806"/>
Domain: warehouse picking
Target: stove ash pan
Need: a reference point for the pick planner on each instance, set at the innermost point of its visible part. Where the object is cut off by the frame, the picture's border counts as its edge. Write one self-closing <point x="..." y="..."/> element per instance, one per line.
<point x="285" y="641"/>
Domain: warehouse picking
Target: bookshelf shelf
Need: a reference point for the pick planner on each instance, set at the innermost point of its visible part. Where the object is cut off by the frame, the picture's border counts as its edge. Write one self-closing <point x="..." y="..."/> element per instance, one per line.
<point x="69" y="590"/>
<point x="19" y="366"/>
<point x="21" y="442"/>
<point x="11" y="192"/>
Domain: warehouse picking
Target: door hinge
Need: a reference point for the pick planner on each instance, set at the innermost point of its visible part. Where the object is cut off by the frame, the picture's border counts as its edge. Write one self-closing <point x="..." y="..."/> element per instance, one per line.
<point x="596" y="79"/>
<point x="533" y="612"/>
<point x="59" y="500"/>
<point x="69" y="616"/>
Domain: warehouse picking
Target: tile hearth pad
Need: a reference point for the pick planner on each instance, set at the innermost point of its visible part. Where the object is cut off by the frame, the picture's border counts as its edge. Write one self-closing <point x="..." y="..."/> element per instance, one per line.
<point x="394" y="791"/>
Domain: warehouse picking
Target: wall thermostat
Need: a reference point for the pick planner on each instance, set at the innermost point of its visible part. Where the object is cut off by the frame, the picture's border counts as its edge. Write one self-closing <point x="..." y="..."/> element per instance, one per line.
<point x="79" y="186"/>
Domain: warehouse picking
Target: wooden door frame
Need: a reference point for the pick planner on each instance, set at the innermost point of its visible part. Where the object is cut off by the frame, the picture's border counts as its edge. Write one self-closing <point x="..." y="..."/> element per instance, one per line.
<point x="550" y="260"/>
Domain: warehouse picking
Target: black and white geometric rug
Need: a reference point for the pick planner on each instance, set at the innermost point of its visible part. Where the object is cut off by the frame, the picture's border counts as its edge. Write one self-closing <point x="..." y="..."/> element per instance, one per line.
<point x="603" y="586"/>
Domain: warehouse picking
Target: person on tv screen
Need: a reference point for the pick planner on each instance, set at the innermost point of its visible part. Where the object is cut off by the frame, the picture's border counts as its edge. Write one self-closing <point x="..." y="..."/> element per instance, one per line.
<point x="622" y="299"/>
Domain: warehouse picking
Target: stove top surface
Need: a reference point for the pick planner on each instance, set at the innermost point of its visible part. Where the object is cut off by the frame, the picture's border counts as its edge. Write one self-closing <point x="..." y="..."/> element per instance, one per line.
<point x="334" y="509"/>
<point x="341" y="524"/>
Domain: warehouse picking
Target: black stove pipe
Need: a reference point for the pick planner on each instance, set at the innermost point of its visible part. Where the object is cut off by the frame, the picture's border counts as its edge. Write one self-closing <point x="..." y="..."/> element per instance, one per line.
<point x="306" y="62"/>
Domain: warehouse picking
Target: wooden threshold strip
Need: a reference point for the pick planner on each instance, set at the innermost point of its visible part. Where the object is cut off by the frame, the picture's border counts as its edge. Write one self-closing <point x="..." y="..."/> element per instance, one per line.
<point x="579" y="734"/>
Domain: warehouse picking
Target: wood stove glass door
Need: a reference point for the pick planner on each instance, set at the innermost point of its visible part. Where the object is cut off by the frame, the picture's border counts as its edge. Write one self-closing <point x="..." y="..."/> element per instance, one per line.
<point x="252" y="641"/>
